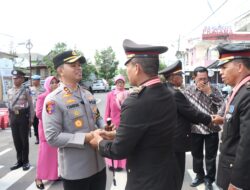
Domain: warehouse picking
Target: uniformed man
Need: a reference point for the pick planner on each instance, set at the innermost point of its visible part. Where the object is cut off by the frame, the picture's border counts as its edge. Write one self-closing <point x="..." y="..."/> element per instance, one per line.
<point x="186" y="115"/>
<point x="234" y="160"/>
<point x="36" y="89"/>
<point x="21" y="113"/>
<point x="148" y="119"/>
<point x="70" y="115"/>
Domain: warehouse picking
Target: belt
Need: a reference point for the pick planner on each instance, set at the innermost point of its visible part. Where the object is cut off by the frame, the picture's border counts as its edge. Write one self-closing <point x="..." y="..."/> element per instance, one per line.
<point x="19" y="111"/>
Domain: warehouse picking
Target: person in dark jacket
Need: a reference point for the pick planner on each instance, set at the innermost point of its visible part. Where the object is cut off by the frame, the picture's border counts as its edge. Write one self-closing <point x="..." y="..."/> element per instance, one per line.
<point x="234" y="159"/>
<point x="146" y="129"/>
<point x="186" y="115"/>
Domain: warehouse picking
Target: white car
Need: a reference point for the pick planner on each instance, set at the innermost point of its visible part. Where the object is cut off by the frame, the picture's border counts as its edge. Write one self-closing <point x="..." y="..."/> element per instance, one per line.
<point x="100" y="85"/>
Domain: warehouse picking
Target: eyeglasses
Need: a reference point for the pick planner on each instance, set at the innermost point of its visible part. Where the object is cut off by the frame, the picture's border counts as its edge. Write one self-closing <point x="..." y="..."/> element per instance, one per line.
<point x="54" y="82"/>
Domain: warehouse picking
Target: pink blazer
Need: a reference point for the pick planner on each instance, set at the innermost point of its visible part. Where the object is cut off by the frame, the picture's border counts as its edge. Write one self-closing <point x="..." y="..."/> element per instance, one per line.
<point x="113" y="109"/>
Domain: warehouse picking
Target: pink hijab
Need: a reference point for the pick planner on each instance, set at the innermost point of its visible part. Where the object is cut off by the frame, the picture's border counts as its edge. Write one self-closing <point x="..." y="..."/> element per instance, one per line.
<point x="47" y="83"/>
<point x="120" y="95"/>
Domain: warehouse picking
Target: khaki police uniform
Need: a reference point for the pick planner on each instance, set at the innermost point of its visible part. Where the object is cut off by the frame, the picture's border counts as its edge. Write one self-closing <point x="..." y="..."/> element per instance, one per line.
<point x="67" y="116"/>
<point x="21" y="114"/>
<point x="35" y="92"/>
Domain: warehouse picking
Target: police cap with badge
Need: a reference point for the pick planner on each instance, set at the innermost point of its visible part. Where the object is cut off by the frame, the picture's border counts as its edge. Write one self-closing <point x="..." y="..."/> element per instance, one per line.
<point x="230" y="52"/>
<point x="174" y="69"/>
<point x="134" y="50"/>
<point x="17" y="74"/>
<point x="68" y="57"/>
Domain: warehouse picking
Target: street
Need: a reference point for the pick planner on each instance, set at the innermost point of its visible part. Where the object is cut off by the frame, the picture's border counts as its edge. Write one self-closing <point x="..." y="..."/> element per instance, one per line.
<point x="20" y="180"/>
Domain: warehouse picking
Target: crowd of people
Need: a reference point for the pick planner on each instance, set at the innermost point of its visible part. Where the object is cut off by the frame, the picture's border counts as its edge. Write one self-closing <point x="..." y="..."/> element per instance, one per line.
<point x="145" y="131"/>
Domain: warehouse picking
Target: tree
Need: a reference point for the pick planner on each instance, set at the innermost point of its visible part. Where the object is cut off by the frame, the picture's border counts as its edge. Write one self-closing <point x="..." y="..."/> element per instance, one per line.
<point x="106" y="64"/>
<point x="59" y="48"/>
<point x="87" y="69"/>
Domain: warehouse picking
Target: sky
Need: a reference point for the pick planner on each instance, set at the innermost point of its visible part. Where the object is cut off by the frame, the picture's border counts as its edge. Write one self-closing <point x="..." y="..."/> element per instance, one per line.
<point x="90" y="25"/>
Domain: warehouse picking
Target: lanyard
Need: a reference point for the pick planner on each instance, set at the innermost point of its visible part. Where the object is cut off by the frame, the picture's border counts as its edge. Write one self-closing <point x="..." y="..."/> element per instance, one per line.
<point x="152" y="81"/>
<point x="235" y="90"/>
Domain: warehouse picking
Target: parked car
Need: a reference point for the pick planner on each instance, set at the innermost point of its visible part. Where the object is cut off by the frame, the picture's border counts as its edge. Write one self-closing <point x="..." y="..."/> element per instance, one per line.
<point x="100" y="85"/>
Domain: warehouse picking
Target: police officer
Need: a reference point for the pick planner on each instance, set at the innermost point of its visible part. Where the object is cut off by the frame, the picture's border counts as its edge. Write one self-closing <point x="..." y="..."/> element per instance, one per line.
<point x="36" y="89"/>
<point x="186" y="115"/>
<point x="69" y="116"/>
<point x="21" y="113"/>
<point x="148" y="119"/>
<point x="234" y="162"/>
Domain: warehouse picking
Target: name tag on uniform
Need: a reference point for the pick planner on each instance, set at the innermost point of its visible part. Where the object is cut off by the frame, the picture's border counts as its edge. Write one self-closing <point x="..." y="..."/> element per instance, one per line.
<point x="16" y="112"/>
<point x="72" y="106"/>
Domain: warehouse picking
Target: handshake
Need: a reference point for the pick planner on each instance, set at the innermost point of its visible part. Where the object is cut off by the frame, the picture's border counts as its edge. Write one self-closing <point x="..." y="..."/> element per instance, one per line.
<point x="108" y="133"/>
<point x="217" y="120"/>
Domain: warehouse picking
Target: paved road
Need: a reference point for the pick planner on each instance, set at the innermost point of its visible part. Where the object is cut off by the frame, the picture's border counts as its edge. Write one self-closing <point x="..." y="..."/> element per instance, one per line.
<point x="20" y="180"/>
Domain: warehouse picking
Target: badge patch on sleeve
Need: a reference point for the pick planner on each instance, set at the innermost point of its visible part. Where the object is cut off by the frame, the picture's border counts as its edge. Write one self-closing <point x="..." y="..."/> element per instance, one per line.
<point x="50" y="107"/>
<point x="78" y="123"/>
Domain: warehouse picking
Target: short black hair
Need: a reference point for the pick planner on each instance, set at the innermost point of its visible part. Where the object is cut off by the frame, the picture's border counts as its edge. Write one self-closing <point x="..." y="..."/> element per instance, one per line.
<point x="245" y="62"/>
<point x="200" y="70"/>
<point x="149" y="65"/>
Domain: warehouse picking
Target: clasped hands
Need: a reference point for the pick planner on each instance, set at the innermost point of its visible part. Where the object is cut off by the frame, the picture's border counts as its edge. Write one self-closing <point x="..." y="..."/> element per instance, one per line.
<point x="102" y="134"/>
<point x="217" y="119"/>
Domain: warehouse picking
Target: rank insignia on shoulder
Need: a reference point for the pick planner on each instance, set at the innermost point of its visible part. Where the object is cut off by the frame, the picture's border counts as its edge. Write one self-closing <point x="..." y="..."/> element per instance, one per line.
<point x="50" y="107"/>
<point x="66" y="89"/>
<point x="78" y="123"/>
<point x="136" y="90"/>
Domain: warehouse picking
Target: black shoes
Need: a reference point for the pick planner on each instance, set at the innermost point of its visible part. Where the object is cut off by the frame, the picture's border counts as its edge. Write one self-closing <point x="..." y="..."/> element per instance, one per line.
<point x="16" y="166"/>
<point x="208" y="186"/>
<point x="197" y="181"/>
<point x="26" y="166"/>
<point x="39" y="184"/>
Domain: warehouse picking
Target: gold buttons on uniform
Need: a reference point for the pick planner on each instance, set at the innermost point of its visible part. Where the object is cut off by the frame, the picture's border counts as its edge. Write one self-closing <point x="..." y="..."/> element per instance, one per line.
<point x="231" y="165"/>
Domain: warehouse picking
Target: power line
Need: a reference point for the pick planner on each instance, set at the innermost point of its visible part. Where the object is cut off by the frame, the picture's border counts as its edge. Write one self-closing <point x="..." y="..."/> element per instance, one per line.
<point x="237" y="17"/>
<point x="207" y="17"/>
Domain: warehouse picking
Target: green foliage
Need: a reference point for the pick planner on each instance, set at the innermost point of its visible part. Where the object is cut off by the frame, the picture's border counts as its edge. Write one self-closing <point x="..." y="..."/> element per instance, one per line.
<point x="59" y="48"/>
<point x="162" y="65"/>
<point x="87" y="69"/>
<point x="106" y="64"/>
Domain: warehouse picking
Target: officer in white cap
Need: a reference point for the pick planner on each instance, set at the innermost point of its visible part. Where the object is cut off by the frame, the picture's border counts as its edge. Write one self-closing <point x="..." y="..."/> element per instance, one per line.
<point x="21" y="117"/>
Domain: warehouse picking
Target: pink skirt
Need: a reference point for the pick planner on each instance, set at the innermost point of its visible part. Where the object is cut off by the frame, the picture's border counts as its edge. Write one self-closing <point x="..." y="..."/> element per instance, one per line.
<point x="47" y="163"/>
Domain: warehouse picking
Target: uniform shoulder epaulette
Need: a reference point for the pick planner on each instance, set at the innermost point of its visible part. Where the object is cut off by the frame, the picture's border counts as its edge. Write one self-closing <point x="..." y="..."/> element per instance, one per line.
<point x="248" y="85"/>
<point x="136" y="90"/>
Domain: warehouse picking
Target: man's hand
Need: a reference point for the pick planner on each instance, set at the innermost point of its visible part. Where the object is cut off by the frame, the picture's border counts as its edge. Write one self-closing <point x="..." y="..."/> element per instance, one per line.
<point x="217" y="120"/>
<point x="94" y="142"/>
<point x="232" y="187"/>
<point x="108" y="135"/>
<point x="204" y="87"/>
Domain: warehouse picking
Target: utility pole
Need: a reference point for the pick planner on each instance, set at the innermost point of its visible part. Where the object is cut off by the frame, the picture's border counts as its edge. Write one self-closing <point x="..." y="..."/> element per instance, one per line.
<point x="29" y="46"/>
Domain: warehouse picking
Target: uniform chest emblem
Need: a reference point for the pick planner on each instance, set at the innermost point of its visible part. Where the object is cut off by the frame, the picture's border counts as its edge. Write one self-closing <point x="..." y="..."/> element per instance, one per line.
<point x="231" y="109"/>
<point x="70" y="101"/>
<point x="50" y="107"/>
<point x="76" y="113"/>
<point x="78" y="123"/>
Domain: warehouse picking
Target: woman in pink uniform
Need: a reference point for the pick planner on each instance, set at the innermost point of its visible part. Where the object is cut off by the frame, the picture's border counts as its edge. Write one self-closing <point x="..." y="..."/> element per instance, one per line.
<point x="115" y="98"/>
<point x="47" y="164"/>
